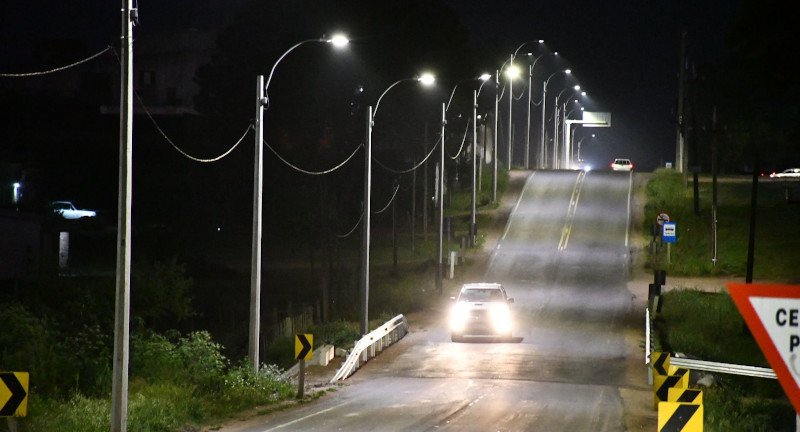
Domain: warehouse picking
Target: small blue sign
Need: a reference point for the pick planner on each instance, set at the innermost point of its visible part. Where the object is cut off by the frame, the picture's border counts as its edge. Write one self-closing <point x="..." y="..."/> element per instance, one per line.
<point x="669" y="232"/>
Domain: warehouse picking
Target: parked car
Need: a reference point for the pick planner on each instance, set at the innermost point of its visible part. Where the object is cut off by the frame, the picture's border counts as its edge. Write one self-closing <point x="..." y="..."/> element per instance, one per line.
<point x="481" y="309"/>
<point x="622" y="165"/>
<point x="68" y="210"/>
<point x="787" y="173"/>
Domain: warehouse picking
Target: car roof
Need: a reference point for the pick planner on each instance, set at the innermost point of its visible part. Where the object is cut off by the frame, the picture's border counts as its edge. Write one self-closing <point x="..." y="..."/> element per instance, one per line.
<point x="481" y="285"/>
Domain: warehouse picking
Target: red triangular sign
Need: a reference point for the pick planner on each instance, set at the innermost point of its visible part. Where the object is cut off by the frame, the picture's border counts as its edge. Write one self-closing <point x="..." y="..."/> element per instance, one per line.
<point x="772" y="312"/>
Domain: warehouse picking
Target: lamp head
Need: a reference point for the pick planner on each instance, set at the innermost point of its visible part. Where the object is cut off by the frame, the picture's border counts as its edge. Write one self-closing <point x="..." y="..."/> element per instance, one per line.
<point x="485" y="77"/>
<point x="426" y="79"/>
<point x="338" y="40"/>
<point x="567" y="71"/>
<point x="577" y="87"/>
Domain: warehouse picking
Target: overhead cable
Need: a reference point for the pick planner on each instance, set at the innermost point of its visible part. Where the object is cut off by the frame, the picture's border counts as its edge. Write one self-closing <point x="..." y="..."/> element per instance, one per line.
<point x="297" y="168"/>
<point x="58" y="69"/>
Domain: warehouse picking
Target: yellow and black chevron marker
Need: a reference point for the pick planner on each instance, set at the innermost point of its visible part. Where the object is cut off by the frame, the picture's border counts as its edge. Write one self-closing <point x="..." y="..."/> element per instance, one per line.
<point x="662" y="384"/>
<point x="680" y="417"/>
<point x="13" y="394"/>
<point x="660" y="362"/>
<point x="685" y="395"/>
<point x="303" y="346"/>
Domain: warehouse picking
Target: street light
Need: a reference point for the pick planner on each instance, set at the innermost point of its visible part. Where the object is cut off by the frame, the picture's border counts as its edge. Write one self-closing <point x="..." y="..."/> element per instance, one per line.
<point x="558" y="123"/>
<point x="473" y="227"/>
<point x="579" y="147"/>
<point x="544" y="110"/>
<point x="425" y="79"/>
<point x="440" y="246"/>
<point x="513" y="72"/>
<point x="528" y="121"/>
<point x="262" y="101"/>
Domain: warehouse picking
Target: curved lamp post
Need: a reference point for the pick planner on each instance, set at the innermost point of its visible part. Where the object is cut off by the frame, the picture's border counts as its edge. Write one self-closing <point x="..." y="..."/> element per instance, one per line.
<point x="558" y="123"/>
<point x="425" y="79"/>
<point x="530" y="93"/>
<point x="510" y="100"/>
<point x="544" y="110"/>
<point x="473" y="227"/>
<point x="262" y="101"/>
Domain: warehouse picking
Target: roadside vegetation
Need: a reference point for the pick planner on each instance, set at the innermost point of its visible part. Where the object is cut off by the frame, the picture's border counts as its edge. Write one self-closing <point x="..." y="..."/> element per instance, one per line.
<point x="181" y="376"/>
<point x="708" y="326"/>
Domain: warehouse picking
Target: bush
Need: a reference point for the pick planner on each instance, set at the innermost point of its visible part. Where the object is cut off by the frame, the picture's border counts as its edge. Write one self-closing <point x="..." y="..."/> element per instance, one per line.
<point x="336" y="333"/>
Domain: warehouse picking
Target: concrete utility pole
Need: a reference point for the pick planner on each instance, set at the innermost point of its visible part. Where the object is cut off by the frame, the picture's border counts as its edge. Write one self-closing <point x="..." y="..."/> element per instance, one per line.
<point x="255" y="257"/>
<point x="528" y="125"/>
<point x="366" y="227"/>
<point x="494" y="142"/>
<point x="510" y="101"/>
<point x="680" y="151"/>
<point x="119" y="390"/>
<point x="440" y="262"/>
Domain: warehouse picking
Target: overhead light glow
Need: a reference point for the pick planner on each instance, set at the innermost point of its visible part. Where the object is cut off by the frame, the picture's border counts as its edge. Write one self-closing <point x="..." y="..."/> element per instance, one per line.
<point x="427" y="79"/>
<point x="485" y="77"/>
<point x="512" y="72"/>
<point x="567" y="71"/>
<point x="339" y="40"/>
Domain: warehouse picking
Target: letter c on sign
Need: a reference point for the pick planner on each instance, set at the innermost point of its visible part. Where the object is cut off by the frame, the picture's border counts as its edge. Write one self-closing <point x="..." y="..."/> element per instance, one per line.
<point x="780" y="317"/>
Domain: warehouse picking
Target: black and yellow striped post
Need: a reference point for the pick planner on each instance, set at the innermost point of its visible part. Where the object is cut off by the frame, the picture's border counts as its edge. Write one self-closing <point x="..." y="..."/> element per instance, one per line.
<point x="303" y="350"/>
<point x="662" y="384"/>
<point x="660" y="362"/>
<point x="685" y="395"/>
<point x="680" y="417"/>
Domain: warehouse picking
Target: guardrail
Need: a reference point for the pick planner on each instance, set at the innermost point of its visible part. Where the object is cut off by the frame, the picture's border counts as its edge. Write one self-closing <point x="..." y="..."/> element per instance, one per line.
<point x="726" y="368"/>
<point x="371" y="345"/>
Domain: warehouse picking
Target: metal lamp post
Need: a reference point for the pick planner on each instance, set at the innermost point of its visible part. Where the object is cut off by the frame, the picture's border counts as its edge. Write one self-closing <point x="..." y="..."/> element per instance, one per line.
<point x="557" y="122"/>
<point x="262" y="101"/>
<point x="510" y="100"/>
<point x="544" y="111"/>
<point x="425" y="79"/>
<point x="473" y="227"/>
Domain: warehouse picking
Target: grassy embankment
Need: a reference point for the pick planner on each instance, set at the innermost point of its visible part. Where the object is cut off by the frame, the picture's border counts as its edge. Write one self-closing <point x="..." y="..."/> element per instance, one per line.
<point x="708" y="326"/>
<point x="56" y="329"/>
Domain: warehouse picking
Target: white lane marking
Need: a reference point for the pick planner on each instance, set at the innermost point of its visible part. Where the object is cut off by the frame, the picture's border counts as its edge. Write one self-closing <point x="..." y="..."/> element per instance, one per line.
<point x="628" y="221"/>
<point x="305" y="418"/>
<point x="573" y="207"/>
<point x="508" y="224"/>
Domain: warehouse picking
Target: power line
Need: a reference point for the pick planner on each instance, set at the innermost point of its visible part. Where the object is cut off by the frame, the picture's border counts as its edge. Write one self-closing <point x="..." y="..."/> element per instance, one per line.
<point x="58" y="69"/>
<point x="463" y="140"/>
<point x="296" y="168"/>
<point x="382" y="165"/>
<point x="396" y="188"/>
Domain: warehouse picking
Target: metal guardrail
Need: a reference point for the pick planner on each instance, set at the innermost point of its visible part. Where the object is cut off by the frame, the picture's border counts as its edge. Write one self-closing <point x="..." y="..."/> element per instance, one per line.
<point x="726" y="368"/>
<point x="371" y="345"/>
<point x="703" y="365"/>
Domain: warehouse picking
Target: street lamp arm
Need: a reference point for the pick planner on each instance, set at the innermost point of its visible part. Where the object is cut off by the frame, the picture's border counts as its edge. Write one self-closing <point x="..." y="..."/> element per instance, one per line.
<point x="271" y="72"/>
<point x="526" y="43"/>
<point x="377" y="104"/>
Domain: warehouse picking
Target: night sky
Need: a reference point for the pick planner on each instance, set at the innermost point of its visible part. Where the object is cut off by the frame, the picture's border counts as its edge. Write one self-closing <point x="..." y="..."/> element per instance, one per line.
<point x="625" y="54"/>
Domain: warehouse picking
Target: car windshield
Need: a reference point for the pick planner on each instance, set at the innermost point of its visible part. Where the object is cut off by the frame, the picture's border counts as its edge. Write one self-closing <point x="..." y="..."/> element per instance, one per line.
<point x="60" y="206"/>
<point x="481" y="294"/>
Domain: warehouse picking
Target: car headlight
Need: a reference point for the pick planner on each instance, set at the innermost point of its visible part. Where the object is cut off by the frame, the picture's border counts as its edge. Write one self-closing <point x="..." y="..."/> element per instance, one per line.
<point x="501" y="317"/>
<point x="458" y="317"/>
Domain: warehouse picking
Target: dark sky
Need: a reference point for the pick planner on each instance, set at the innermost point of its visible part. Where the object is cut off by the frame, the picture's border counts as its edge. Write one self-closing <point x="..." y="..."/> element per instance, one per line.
<point x="624" y="53"/>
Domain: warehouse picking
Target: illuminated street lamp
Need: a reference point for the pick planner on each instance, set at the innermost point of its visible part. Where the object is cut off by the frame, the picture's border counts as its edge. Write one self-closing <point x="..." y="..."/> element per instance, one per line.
<point x="262" y="101"/>
<point x="425" y="79"/>
<point x="16" y="194"/>
<point x="528" y="117"/>
<point x="557" y="122"/>
<point x="473" y="226"/>
<point x="544" y="110"/>
<point x="515" y="73"/>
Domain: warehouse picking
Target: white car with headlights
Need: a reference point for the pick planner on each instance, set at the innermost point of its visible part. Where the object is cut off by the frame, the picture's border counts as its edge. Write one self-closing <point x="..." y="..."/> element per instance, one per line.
<point x="481" y="310"/>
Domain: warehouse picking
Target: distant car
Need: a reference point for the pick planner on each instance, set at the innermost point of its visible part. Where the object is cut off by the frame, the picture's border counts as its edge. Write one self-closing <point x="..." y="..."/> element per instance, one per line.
<point x="787" y="173"/>
<point x="622" y="165"/>
<point x="67" y="210"/>
<point x="481" y="309"/>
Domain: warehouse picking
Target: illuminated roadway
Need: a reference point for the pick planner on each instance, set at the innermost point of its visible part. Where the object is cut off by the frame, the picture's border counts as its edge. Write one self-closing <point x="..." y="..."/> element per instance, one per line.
<point x="564" y="257"/>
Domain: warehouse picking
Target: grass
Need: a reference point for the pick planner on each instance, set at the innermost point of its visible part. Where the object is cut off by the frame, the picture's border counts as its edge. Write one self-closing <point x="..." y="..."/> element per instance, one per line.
<point x="708" y="326"/>
<point x="777" y="234"/>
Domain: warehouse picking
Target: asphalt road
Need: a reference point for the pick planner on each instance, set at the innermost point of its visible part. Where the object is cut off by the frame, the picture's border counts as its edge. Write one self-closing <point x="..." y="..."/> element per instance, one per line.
<point x="575" y="364"/>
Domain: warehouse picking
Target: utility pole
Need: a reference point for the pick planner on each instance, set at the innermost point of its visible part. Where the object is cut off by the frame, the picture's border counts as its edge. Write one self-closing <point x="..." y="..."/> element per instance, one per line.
<point x="510" y="101"/>
<point x="680" y="155"/>
<point x="413" y="207"/>
<point x="119" y="391"/>
<point x="494" y="143"/>
<point x="714" y="172"/>
<point x="440" y="263"/>
<point x="364" y="292"/>
<point x="255" y="259"/>
<point x="528" y="126"/>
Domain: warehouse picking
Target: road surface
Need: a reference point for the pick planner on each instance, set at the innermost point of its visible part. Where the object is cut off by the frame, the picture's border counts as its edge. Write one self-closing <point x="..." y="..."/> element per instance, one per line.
<point x="575" y="364"/>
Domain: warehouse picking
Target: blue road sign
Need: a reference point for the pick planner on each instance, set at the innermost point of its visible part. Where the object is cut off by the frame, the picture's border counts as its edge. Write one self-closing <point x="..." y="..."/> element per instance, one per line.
<point x="669" y="232"/>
